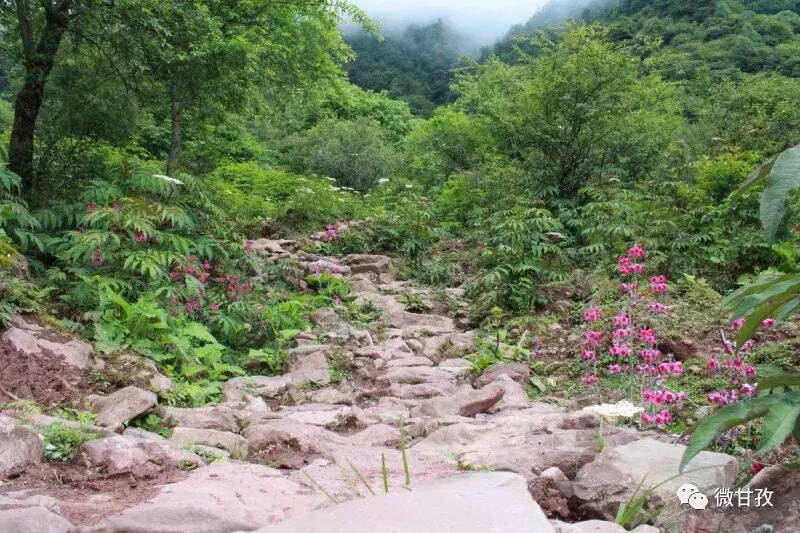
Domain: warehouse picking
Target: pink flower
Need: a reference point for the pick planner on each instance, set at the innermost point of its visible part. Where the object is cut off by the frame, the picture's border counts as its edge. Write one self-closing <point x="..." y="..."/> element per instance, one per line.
<point x="592" y="337"/>
<point x="659" y="288"/>
<point x="206" y="266"/>
<point x="192" y="259"/>
<point x="621" y="350"/>
<point x="663" y="417"/>
<point x="636" y="251"/>
<point x="592" y="314"/>
<point x="650" y="355"/>
<point x="248" y="246"/>
<point x="614" y="369"/>
<point x="214" y="306"/>
<point x="748" y="391"/>
<point x="589" y="355"/>
<point x="713" y="364"/>
<point x="90" y="207"/>
<point x="647" y="335"/>
<point x="621" y="320"/>
<point x="658" y="279"/>
<point x="750" y="371"/>
<point x="768" y="322"/>
<point x="174" y="312"/>
<point x="590" y="380"/>
<point x="140" y="237"/>
<point x="659" y="308"/>
<point x="97" y="258"/>
<point x="647" y="418"/>
<point x="636" y="268"/>
<point x="622" y="332"/>
<point x="628" y="288"/>
<point x="174" y="275"/>
<point x="677" y="367"/>
<point x="644" y="369"/>
<point x="737" y="324"/>
<point x="190" y="270"/>
<point x="748" y="345"/>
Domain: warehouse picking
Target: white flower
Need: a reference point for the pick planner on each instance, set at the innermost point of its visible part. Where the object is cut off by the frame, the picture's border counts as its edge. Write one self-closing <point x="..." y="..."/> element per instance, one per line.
<point x="168" y="179"/>
<point x="383" y="181"/>
<point x="409" y="186"/>
<point x="613" y="411"/>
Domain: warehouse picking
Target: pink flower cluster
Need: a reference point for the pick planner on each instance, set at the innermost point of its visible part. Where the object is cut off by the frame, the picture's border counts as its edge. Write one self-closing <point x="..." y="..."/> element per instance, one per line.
<point x="592" y="314"/>
<point x="661" y="418"/>
<point x="662" y="397"/>
<point x="658" y="284"/>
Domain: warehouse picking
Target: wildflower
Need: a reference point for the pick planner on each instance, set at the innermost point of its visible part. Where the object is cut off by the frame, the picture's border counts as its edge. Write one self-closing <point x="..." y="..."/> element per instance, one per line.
<point x="647" y="335"/>
<point x="203" y="278"/>
<point x="174" y="275"/>
<point x="658" y="279"/>
<point x="677" y="367"/>
<point x="614" y="369"/>
<point x="192" y="259"/>
<point x="80" y="229"/>
<point x="712" y="365"/>
<point x="768" y="322"/>
<point x="214" y="306"/>
<point x="659" y="308"/>
<point x="592" y="314"/>
<point x="647" y="418"/>
<point x="140" y="238"/>
<point x="747" y="346"/>
<point x="97" y="258"/>
<point x="174" y="312"/>
<point x="592" y="337"/>
<point x="636" y="268"/>
<point x="644" y="369"/>
<point x="659" y="288"/>
<point x="628" y="288"/>
<point x="650" y="355"/>
<point x="663" y="417"/>
<point x="190" y="270"/>
<point x="91" y="206"/>
<point x="748" y="391"/>
<point x="248" y="246"/>
<point x="621" y="350"/>
<point x="749" y="371"/>
<point x="589" y="355"/>
<point x="206" y="266"/>
<point x="621" y="320"/>
<point x="622" y="332"/>
<point x="737" y="324"/>
<point x="636" y="251"/>
<point x="590" y="380"/>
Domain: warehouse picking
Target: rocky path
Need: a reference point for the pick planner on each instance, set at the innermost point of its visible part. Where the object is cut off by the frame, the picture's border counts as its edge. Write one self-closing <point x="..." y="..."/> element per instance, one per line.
<point x="356" y="398"/>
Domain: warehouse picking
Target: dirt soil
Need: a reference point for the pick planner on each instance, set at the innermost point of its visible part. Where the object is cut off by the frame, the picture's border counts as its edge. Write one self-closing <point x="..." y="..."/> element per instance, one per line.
<point x="45" y="379"/>
<point x="85" y="498"/>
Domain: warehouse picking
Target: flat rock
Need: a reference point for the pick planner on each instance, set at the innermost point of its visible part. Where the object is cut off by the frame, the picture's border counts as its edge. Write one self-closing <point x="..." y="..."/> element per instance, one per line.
<point x="456" y="366"/>
<point x="122" y="405"/>
<point x="466" y="402"/>
<point x="519" y="372"/>
<point x="20" y="447"/>
<point x="374" y="264"/>
<point x="234" y="444"/>
<point x="219" y="417"/>
<point x="616" y="472"/>
<point x="131" y="453"/>
<point x="416" y="375"/>
<point x="409" y="361"/>
<point x="219" y="498"/>
<point x="290" y="443"/>
<point x="377" y="435"/>
<point x="396" y="316"/>
<point x="33" y="519"/>
<point x="514" y="396"/>
<point x="469" y="503"/>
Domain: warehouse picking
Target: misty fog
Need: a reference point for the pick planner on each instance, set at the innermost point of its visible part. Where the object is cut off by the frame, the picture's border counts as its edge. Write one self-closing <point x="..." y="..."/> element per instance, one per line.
<point x="480" y="21"/>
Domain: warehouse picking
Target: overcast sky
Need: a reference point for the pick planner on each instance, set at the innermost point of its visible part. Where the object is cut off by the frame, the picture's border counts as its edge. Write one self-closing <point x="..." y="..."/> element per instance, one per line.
<point x="482" y="21"/>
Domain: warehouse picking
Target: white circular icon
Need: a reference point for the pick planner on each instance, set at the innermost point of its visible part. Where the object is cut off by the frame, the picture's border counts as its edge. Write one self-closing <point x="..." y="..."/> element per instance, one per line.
<point x="685" y="491"/>
<point x="698" y="501"/>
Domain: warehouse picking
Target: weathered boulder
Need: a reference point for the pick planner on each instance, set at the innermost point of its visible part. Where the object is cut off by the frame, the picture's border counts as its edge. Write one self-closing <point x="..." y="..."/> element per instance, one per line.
<point x="614" y="474"/>
<point x="20" y="447"/>
<point x="514" y="396"/>
<point x="33" y="519"/>
<point x="234" y="444"/>
<point x="377" y="435"/>
<point x="466" y="402"/>
<point x="120" y="406"/>
<point x="328" y="416"/>
<point x="29" y="340"/>
<point x="408" y="361"/>
<point x="133" y="369"/>
<point x="290" y="443"/>
<point x="469" y="503"/>
<point x="306" y="363"/>
<point x="395" y="314"/>
<point x="456" y="366"/>
<point x="220" y="417"/>
<point x="525" y="441"/>
<point x="132" y="453"/>
<point x="374" y="264"/>
<point x="416" y="375"/>
<point x="219" y="498"/>
<point x="519" y="372"/>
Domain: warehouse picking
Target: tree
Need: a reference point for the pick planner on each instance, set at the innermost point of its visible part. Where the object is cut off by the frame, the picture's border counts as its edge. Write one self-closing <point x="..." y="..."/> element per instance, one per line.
<point x="202" y="56"/>
<point x="49" y="19"/>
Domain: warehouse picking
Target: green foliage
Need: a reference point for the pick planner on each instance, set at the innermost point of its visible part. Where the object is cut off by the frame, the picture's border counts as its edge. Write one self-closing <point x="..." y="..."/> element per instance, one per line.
<point x="60" y="443"/>
<point x="355" y="153"/>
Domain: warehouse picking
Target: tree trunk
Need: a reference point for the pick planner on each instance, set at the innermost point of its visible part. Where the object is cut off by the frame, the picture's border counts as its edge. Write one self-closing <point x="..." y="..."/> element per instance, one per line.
<point x="177" y="135"/>
<point x="38" y="64"/>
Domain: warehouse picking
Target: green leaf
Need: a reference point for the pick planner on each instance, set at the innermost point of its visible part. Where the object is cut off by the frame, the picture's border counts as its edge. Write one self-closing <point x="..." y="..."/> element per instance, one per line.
<point x="199" y="332"/>
<point x="723" y="419"/>
<point x="783" y="179"/>
<point x="775" y="381"/>
<point x="778" y="425"/>
<point x="537" y="382"/>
